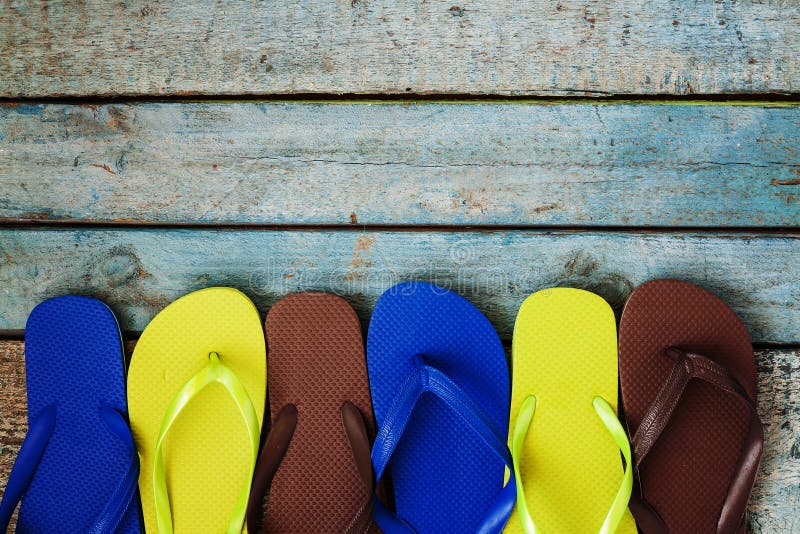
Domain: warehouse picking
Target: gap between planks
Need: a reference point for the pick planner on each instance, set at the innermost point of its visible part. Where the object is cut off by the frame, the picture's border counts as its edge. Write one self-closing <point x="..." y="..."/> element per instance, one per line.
<point x="711" y="231"/>
<point x="731" y="99"/>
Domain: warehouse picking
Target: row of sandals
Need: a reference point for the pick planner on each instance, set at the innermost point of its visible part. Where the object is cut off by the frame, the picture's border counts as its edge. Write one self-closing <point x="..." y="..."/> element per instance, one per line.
<point x="425" y="431"/>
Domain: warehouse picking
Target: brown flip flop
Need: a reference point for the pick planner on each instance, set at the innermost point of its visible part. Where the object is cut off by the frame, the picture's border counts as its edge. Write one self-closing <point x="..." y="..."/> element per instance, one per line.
<point x="688" y="382"/>
<point x="316" y="459"/>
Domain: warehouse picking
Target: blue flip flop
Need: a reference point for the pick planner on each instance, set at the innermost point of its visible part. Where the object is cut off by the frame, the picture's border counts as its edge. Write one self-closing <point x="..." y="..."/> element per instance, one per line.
<point x="440" y="391"/>
<point x="77" y="470"/>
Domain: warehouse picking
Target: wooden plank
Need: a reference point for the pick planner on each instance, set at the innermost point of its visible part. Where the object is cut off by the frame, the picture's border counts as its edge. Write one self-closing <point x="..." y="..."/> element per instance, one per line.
<point x="13" y="409"/>
<point x="13" y="405"/>
<point x="775" y="500"/>
<point x="421" y="164"/>
<point x="776" y="496"/>
<point x="137" y="272"/>
<point x="359" y="46"/>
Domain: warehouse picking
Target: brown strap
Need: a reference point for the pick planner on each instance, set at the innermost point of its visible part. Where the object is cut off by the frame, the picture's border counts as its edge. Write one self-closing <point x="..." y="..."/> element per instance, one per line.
<point x="689" y="365"/>
<point x="647" y="519"/>
<point x="278" y="439"/>
<point x="356" y="431"/>
<point x="744" y="478"/>
<point x="276" y="445"/>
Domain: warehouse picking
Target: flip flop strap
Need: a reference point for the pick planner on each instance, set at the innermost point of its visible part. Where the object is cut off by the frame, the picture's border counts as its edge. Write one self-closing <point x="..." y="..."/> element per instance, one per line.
<point x="30" y="454"/>
<point x="32" y="451"/>
<point x="355" y="429"/>
<point x="123" y="495"/>
<point x="428" y="379"/>
<point x="688" y="366"/>
<point x="277" y="443"/>
<point x="272" y="453"/>
<point x="609" y="419"/>
<point x="214" y="372"/>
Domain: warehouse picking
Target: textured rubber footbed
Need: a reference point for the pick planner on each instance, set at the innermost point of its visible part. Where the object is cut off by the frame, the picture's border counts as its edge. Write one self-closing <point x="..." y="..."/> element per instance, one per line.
<point x="74" y="360"/>
<point x="564" y="352"/>
<point x="207" y="451"/>
<point x="317" y="363"/>
<point x="686" y="476"/>
<point x="444" y="477"/>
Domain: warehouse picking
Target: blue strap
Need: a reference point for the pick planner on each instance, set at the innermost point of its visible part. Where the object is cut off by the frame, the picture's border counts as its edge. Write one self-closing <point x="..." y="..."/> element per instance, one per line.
<point x="32" y="450"/>
<point x="427" y="379"/>
<point x="30" y="454"/>
<point x="125" y="492"/>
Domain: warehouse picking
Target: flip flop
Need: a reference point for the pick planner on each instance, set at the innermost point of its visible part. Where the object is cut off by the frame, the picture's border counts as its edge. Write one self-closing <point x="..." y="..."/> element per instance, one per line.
<point x="77" y="468"/>
<point x="688" y="380"/>
<point x="316" y="460"/>
<point x="196" y="390"/>
<point x="440" y="390"/>
<point x="566" y="437"/>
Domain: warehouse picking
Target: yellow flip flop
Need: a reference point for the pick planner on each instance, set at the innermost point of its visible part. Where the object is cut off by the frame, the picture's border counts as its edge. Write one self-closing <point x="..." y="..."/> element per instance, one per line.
<point x="566" y="438"/>
<point x="196" y="391"/>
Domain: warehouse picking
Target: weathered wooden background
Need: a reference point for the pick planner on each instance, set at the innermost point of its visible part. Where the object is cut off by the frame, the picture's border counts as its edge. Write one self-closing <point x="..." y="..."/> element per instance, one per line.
<point x="149" y="148"/>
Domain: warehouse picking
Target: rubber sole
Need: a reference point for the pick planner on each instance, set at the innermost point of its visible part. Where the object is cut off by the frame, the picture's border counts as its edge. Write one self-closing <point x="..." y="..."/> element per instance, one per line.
<point x="207" y="452"/>
<point x="686" y="475"/>
<point x="564" y="352"/>
<point x="317" y="363"/>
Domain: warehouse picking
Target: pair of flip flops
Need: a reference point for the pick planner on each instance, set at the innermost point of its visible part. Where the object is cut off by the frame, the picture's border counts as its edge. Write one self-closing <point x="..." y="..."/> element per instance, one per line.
<point x="203" y="441"/>
<point x="688" y="384"/>
<point x="197" y="390"/>
<point x="446" y="448"/>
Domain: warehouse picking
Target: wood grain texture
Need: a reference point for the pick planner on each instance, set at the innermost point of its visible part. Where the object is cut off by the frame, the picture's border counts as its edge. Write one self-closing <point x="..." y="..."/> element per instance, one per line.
<point x="365" y="46"/>
<point x="773" y="506"/>
<point x="137" y="272"/>
<point x="777" y="488"/>
<point x="13" y="410"/>
<point x="399" y="164"/>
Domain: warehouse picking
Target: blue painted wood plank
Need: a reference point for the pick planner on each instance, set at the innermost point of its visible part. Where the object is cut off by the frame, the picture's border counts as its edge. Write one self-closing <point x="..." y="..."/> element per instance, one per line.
<point x="139" y="271"/>
<point x="437" y="46"/>
<point x="402" y="164"/>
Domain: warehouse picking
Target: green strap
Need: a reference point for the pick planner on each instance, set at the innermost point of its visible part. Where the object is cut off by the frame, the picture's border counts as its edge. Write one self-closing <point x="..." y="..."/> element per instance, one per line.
<point x="217" y="372"/>
<point x="521" y="425"/>
<point x="609" y="418"/>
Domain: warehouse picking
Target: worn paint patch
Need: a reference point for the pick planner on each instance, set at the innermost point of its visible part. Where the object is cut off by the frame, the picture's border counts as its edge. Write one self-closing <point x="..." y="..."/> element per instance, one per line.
<point x="360" y="263"/>
<point x="27" y="109"/>
<point x="103" y="166"/>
